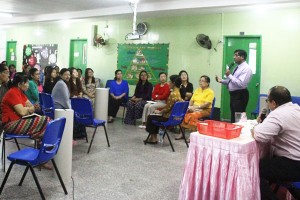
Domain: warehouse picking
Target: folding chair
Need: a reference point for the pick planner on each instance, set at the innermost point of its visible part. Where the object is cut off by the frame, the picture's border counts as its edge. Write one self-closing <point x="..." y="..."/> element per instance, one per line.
<point x="47" y="104"/>
<point x="83" y="114"/>
<point x="175" y="119"/>
<point x="31" y="157"/>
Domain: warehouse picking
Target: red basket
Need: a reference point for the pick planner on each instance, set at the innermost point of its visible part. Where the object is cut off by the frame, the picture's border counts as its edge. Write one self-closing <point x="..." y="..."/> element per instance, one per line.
<point x="219" y="129"/>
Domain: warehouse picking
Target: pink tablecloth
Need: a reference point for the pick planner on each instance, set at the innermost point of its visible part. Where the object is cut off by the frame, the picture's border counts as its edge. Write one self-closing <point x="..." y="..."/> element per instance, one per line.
<point x="220" y="169"/>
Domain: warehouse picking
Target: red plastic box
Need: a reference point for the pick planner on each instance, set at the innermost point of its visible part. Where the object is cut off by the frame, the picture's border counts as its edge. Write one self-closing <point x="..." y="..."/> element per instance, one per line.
<point x="219" y="129"/>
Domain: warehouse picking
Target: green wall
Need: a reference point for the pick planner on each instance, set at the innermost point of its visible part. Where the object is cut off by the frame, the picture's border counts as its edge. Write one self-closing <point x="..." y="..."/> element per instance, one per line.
<point x="280" y="43"/>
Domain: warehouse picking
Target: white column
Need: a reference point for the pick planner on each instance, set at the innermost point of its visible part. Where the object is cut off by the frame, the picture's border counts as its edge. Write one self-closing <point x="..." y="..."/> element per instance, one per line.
<point x="101" y="103"/>
<point x="63" y="159"/>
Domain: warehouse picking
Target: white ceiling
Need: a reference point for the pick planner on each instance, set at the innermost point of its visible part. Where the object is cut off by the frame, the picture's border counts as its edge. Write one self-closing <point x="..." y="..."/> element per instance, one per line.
<point x="50" y="10"/>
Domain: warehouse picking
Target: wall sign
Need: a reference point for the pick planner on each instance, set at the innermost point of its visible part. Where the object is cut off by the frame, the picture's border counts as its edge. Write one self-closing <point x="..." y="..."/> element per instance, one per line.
<point x="133" y="58"/>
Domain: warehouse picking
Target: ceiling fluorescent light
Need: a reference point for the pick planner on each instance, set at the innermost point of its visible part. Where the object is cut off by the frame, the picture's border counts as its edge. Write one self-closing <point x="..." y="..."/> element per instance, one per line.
<point x="5" y="15"/>
<point x="133" y="1"/>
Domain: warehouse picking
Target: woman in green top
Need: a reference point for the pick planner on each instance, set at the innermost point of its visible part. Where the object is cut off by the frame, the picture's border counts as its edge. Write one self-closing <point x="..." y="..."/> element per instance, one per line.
<point x="32" y="93"/>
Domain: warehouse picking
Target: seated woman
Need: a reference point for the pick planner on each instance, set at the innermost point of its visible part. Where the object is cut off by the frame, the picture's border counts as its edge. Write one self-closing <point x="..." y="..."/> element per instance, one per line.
<point x="200" y="105"/>
<point x="32" y="93"/>
<point x="142" y="93"/>
<point x="75" y="84"/>
<point x="118" y="93"/>
<point x="26" y="69"/>
<point x="61" y="91"/>
<point x="89" y="85"/>
<point x="16" y="105"/>
<point x="12" y="71"/>
<point x="186" y="88"/>
<point x="50" y="79"/>
<point x="151" y="128"/>
<point x="160" y="95"/>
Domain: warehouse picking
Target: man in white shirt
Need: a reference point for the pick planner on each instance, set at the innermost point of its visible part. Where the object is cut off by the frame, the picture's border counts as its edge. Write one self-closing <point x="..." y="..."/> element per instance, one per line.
<point x="281" y="129"/>
<point x="237" y="83"/>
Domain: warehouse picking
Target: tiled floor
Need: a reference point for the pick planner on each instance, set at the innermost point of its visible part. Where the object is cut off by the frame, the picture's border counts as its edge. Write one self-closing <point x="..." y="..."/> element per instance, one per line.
<point x="125" y="171"/>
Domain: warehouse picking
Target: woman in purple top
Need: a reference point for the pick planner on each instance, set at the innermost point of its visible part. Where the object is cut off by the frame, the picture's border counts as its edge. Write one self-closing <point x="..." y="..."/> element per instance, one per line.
<point x="136" y="104"/>
<point x="118" y="93"/>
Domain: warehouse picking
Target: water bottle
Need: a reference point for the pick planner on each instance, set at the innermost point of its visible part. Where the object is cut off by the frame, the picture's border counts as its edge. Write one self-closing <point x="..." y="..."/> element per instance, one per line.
<point x="161" y="134"/>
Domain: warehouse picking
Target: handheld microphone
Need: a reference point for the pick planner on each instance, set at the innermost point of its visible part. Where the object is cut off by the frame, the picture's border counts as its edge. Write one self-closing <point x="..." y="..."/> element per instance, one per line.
<point x="263" y="114"/>
<point x="231" y="65"/>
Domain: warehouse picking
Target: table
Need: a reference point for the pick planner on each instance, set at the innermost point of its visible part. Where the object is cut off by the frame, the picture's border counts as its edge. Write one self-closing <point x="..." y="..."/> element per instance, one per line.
<point x="222" y="169"/>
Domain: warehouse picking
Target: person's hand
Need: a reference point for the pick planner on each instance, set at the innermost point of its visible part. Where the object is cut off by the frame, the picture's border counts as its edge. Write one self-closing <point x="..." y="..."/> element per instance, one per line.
<point x="258" y="119"/>
<point x="119" y="97"/>
<point x="157" y="111"/>
<point x="191" y="109"/>
<point x="37" y="107"/>
<point x="227" y="72"/>
<point x="218" y="79"/>
<point x="133" y="99"/>
<point x="28" y="104"/>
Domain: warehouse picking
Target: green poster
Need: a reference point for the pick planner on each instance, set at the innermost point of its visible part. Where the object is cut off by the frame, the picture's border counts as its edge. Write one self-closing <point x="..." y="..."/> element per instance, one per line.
<point x="133" y="58"/>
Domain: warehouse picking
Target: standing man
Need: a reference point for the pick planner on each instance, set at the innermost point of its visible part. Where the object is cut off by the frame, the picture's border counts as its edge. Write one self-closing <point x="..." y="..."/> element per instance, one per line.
<point x="281" y="129"/>
<point x="237" y="83"/>
<point x="4" y="77"/>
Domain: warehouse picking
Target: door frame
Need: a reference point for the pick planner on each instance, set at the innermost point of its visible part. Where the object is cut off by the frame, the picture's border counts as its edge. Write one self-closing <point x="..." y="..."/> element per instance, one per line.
<point x="8" y="54"/>
<point x="70" y="56"/>
<point x="258" y="70"/>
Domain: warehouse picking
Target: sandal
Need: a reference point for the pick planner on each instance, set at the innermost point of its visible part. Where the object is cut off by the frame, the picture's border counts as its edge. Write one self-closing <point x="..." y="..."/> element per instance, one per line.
<point x="46" y="166"/>
<point x="179" y="138"/>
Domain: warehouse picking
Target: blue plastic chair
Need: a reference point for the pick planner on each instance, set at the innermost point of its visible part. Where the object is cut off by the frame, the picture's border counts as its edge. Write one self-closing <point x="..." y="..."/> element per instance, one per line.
<point x="7" y="136"/>
<point x="291" y="187"/>
<point x="31" y="157"/>
<point x="296" y="100"/>
<point x="47" y="104"/>
<point x="175" y="119"/>
<point x="255" y="112"/>
<point x="83" y="114"/>
<point x="211" y="116"/>
<point x="124" y="103"/>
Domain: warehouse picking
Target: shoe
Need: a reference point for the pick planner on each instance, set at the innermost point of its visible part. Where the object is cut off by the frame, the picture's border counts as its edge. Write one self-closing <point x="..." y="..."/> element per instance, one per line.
<point x="149" y="142"/>
<point x="110" y="119"/>
<point x="142" y="126"/>
<point x="153" y="142"/>
<point x="179" y="138"/>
